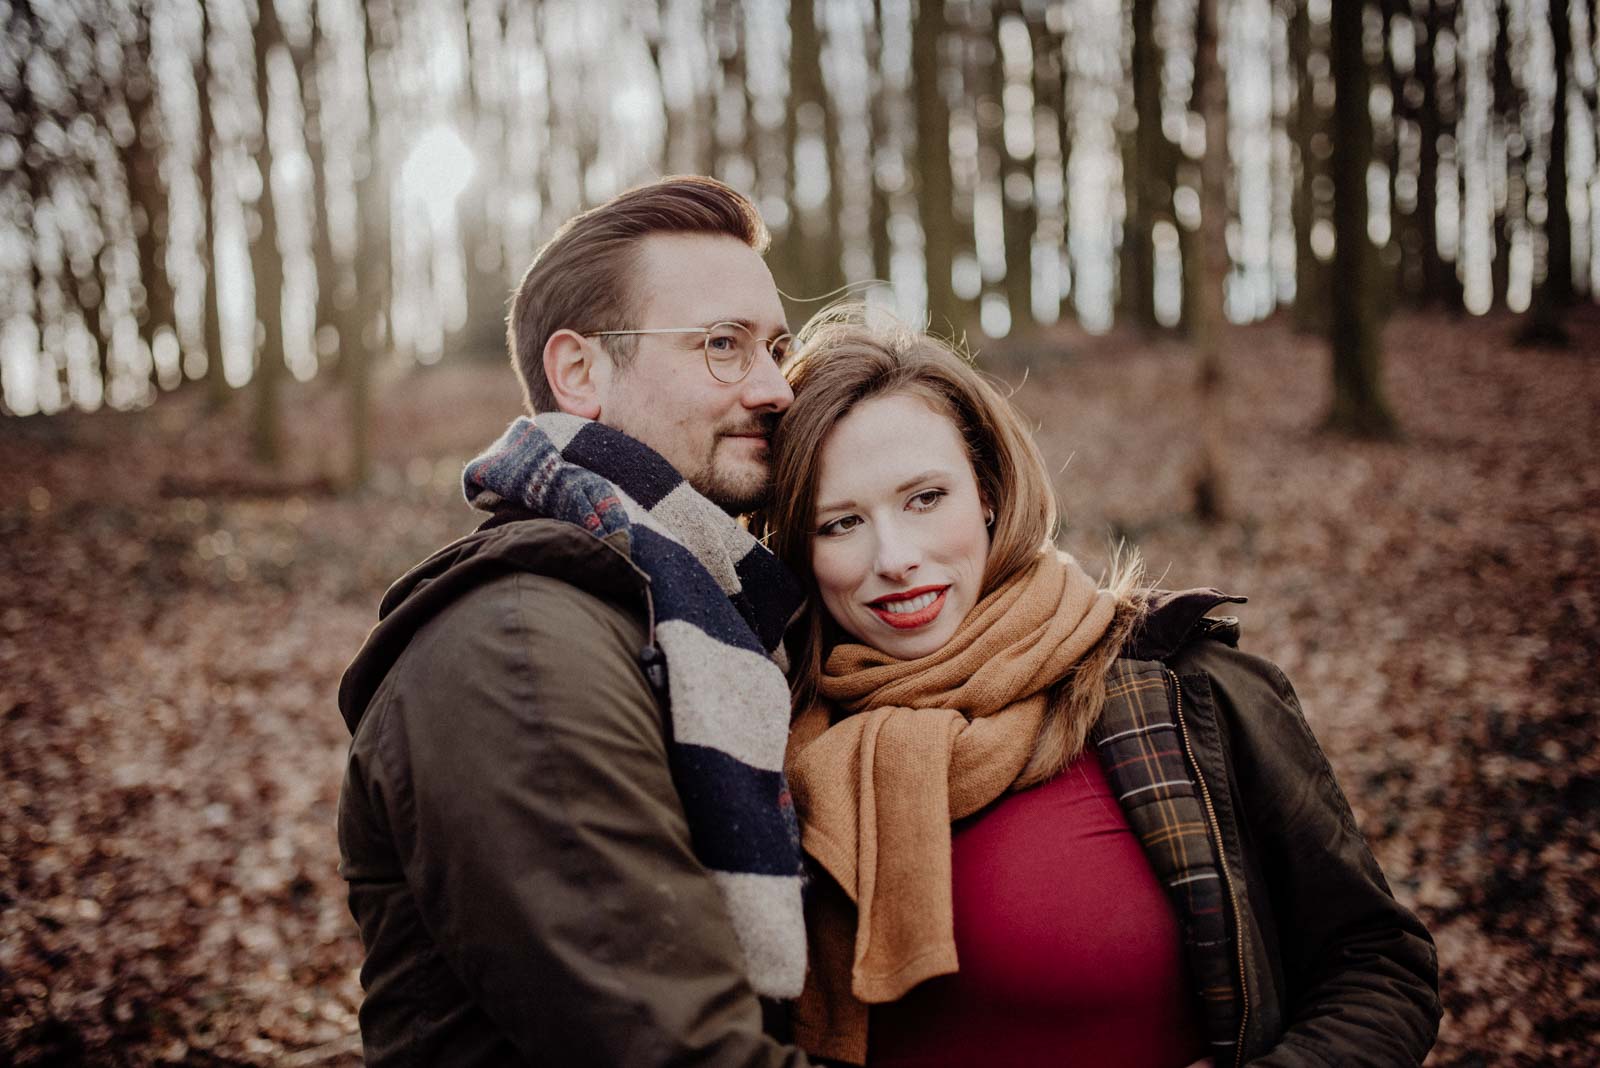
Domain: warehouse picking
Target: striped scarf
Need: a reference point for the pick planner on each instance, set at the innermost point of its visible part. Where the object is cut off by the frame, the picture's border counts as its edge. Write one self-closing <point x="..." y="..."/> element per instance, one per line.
<point x="722" y="603"/>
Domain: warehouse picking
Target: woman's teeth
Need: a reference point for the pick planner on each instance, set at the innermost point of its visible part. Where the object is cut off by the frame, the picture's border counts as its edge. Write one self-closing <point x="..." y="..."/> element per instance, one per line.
<point x="915" y="604"/>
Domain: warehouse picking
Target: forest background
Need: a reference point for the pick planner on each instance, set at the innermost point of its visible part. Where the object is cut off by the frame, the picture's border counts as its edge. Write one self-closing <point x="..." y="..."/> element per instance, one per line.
<point x="1300" y="293"/>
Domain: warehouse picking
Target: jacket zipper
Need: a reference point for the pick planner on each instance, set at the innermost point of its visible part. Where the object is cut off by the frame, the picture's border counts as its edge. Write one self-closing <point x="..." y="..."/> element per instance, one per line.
<point x="1222" y="862"/>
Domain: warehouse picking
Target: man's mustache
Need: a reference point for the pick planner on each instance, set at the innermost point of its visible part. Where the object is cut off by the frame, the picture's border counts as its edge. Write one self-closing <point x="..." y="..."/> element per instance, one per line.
<point x="763" y="425"/>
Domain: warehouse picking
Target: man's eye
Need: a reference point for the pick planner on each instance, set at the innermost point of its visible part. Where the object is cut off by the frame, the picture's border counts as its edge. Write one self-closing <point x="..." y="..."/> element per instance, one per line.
<point x="724" y="342"/>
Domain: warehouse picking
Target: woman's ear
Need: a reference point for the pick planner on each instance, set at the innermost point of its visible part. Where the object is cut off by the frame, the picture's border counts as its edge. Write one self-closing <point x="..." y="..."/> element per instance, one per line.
<point x="579" y="373"/>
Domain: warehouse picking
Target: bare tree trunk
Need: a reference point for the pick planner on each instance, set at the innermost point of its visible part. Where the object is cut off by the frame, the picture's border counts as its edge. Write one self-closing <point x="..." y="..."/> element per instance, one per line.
<point x="1358" y="405"/>
<point x="880" y="207"/>
<point x="1405" y="241"/>
<point x="1558" y="224"/>
<point x="1144" y="163"/>
<point x="1018" y="197"/>
<point x="1506" y="118"/>
<point x="1050" y="93"/>
<point x="373" y="281"/>
<point x="1553" y="293"/>
<point x="147" y="193"/>
<point x="935" y="190"/>
<point x="1439" y="281"/>
<point x="266" y="431"/>
<point x="811" y="123"/>
<point x="333" y="288"/>
<point x="1208" y="314"/>
<point x="1310" y="274"/>
<point x="217" y="388"/>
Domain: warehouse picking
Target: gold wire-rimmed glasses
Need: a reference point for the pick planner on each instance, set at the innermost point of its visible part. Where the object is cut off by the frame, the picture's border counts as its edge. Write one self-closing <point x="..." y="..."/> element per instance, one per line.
<point x="730" y="348"/>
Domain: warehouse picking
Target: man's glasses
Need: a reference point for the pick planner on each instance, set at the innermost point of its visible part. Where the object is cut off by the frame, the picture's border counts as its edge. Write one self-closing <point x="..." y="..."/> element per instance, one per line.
<point x="730" y="348"/>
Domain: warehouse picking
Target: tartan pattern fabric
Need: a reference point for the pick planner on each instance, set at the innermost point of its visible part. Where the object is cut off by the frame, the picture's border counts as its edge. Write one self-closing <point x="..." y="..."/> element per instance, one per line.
<point x="1141" y="748"/>
<point x="720" y="604"/>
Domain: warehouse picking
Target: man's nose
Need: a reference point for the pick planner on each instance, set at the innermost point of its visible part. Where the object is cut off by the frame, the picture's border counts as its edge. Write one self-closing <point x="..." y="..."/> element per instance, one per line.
<point x="765" y="387"/>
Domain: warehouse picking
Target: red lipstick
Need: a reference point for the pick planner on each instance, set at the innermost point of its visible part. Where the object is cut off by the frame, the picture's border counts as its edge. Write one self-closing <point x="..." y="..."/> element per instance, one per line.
<point x="920" y="617"/>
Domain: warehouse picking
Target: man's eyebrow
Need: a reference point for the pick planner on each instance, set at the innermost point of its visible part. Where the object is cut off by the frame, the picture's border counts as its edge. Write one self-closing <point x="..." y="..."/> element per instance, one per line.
<point x="749" y="324"/>
<point x="926" y="476"/>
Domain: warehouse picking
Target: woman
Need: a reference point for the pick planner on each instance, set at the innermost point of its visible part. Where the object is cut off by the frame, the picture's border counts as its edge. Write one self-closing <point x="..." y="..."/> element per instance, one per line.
<point x="1048" y="823"/>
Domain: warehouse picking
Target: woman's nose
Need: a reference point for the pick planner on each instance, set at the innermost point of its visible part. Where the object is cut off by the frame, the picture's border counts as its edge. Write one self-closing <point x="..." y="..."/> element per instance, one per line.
<point x="898" y="555"/>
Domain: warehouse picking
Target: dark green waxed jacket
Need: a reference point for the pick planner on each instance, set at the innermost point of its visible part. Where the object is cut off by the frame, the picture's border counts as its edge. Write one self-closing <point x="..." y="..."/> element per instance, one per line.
<point x="518" y="860"/>
<point x="1319" y="965"/>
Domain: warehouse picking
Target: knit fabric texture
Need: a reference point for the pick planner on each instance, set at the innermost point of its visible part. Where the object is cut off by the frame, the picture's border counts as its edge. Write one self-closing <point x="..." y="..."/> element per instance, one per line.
<point x="721" y="603"/>
<point x="922" y="743"/>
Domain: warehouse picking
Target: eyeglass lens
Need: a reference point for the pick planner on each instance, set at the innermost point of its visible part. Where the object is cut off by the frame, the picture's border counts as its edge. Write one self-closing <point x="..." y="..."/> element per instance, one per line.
<point x="731" y="350"/>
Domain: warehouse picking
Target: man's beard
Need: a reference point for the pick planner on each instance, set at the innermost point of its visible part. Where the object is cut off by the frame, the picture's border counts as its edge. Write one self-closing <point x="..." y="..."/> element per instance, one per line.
<point x="742" y="491"/>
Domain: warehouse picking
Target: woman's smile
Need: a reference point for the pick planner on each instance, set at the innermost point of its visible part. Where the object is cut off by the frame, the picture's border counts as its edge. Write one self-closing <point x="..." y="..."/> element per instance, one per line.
<point x="911" y="609"/>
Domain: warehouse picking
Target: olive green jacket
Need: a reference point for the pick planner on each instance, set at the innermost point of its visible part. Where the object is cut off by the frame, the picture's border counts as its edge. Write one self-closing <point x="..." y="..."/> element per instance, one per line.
<point x="518" y="860"/>
<point x="1300" y="954"/>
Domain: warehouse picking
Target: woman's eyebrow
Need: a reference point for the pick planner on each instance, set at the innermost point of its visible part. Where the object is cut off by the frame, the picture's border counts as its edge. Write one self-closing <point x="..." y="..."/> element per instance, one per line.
<point x="926" y="476"/>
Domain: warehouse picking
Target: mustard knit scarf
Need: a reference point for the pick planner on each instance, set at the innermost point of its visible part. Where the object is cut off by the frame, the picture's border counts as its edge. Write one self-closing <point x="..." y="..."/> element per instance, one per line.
<point x="923" y="742"/>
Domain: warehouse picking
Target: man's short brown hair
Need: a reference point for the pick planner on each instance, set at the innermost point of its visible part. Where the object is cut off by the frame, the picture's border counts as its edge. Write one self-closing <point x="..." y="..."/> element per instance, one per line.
<point x="582" y="278"/>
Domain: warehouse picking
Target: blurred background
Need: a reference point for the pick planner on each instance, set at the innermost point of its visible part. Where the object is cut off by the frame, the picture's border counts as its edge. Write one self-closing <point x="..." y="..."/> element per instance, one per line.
<point x="1300" y="294"/>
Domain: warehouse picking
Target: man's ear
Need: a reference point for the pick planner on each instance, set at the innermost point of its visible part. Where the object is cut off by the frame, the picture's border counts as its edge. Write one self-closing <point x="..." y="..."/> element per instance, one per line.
<point x="579" y="373"/>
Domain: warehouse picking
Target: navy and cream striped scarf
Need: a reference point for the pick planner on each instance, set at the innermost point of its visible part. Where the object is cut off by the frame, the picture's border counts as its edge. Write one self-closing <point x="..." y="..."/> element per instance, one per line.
<point x="722" y="603"/>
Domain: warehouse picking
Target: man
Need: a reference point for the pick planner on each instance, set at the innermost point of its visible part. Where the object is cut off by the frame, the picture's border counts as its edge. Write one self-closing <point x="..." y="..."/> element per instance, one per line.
<point x="564" y="822"/>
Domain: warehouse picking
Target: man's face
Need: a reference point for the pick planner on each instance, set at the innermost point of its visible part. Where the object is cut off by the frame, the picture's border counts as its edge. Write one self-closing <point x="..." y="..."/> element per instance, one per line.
<point x="718" y="435"/>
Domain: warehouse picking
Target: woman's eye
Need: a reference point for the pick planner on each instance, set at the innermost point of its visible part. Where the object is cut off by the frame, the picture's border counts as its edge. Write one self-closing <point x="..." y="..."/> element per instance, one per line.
<point x="843" y="525"/>
<point x="926" y="500"/>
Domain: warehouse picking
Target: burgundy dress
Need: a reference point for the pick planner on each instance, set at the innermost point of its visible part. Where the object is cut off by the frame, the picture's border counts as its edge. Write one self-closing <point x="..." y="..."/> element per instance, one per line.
<point x="1070" y="952"/>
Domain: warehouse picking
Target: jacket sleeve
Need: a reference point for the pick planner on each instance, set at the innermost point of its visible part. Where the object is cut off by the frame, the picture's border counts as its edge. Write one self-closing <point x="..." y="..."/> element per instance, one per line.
<point x="1361" y="979"/>
<point x="539" y="829"/>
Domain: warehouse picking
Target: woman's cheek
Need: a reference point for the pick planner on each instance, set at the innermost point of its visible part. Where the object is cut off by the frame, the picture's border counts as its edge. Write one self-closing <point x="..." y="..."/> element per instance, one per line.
<point x="833" y="570"/>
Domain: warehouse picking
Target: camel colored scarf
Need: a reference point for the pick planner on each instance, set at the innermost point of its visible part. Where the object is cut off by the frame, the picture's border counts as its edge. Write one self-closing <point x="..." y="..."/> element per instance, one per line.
<point x="929" y="741"/>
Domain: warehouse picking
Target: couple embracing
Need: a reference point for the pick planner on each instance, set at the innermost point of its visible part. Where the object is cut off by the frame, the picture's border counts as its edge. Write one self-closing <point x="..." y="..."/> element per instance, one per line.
<point x="874" y="776"/>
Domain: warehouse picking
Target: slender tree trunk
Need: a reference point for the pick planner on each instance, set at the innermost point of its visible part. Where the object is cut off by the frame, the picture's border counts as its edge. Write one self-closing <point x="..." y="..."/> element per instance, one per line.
<point x="1142" y="177"/>
<point x="147" y="193"/>
<point x="935" y="193"/>
<point x="333" y="289"/>
<point x="217" y="388"/>
<point x="1553" y="293"/>
<point x="1405" y="239"/>
<point x="1558" y="224"/>
<point x="1018" y="197"/>
<point x="1064" y="129"/>
<point x="1049" y="109"/>
<point x="483" y="121"/>
<point x="1358" y="405"/>
<point x="1506" y="119"/>
<point x="812" y="123"/>
<point x="373" y="281"/>
<point x="1208" y="313"/>
<point x="266" y="431"/>
<point x="1310" y="273"/>
<point x="1439" y="282"/>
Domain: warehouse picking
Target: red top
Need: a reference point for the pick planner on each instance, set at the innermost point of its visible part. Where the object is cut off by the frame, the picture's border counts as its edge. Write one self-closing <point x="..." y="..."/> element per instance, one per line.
<point x="1070" y="951"/>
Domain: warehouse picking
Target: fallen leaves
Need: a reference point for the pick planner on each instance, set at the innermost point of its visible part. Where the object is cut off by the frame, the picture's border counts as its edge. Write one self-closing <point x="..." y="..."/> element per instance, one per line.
<point x="169" y="658"/>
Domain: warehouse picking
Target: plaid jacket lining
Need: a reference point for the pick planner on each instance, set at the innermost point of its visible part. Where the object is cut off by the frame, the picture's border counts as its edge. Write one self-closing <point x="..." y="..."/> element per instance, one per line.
<point x="1141" y="749"/>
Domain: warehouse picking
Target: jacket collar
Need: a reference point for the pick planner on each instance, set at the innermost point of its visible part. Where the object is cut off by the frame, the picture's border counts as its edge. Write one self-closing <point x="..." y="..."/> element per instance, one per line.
<point x="1174" y="618"/>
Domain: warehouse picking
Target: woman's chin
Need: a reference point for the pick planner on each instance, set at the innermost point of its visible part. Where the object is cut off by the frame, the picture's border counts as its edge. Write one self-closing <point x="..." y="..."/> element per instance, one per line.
<point x="909" y="645"/>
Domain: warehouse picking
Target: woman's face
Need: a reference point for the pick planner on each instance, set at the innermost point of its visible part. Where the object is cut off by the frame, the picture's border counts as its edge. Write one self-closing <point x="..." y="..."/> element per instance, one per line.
<point x="898" y="543"/>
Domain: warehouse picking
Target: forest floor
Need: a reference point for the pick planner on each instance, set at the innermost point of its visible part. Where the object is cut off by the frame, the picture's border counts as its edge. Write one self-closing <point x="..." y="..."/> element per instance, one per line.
<point x="173" y="624"/>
